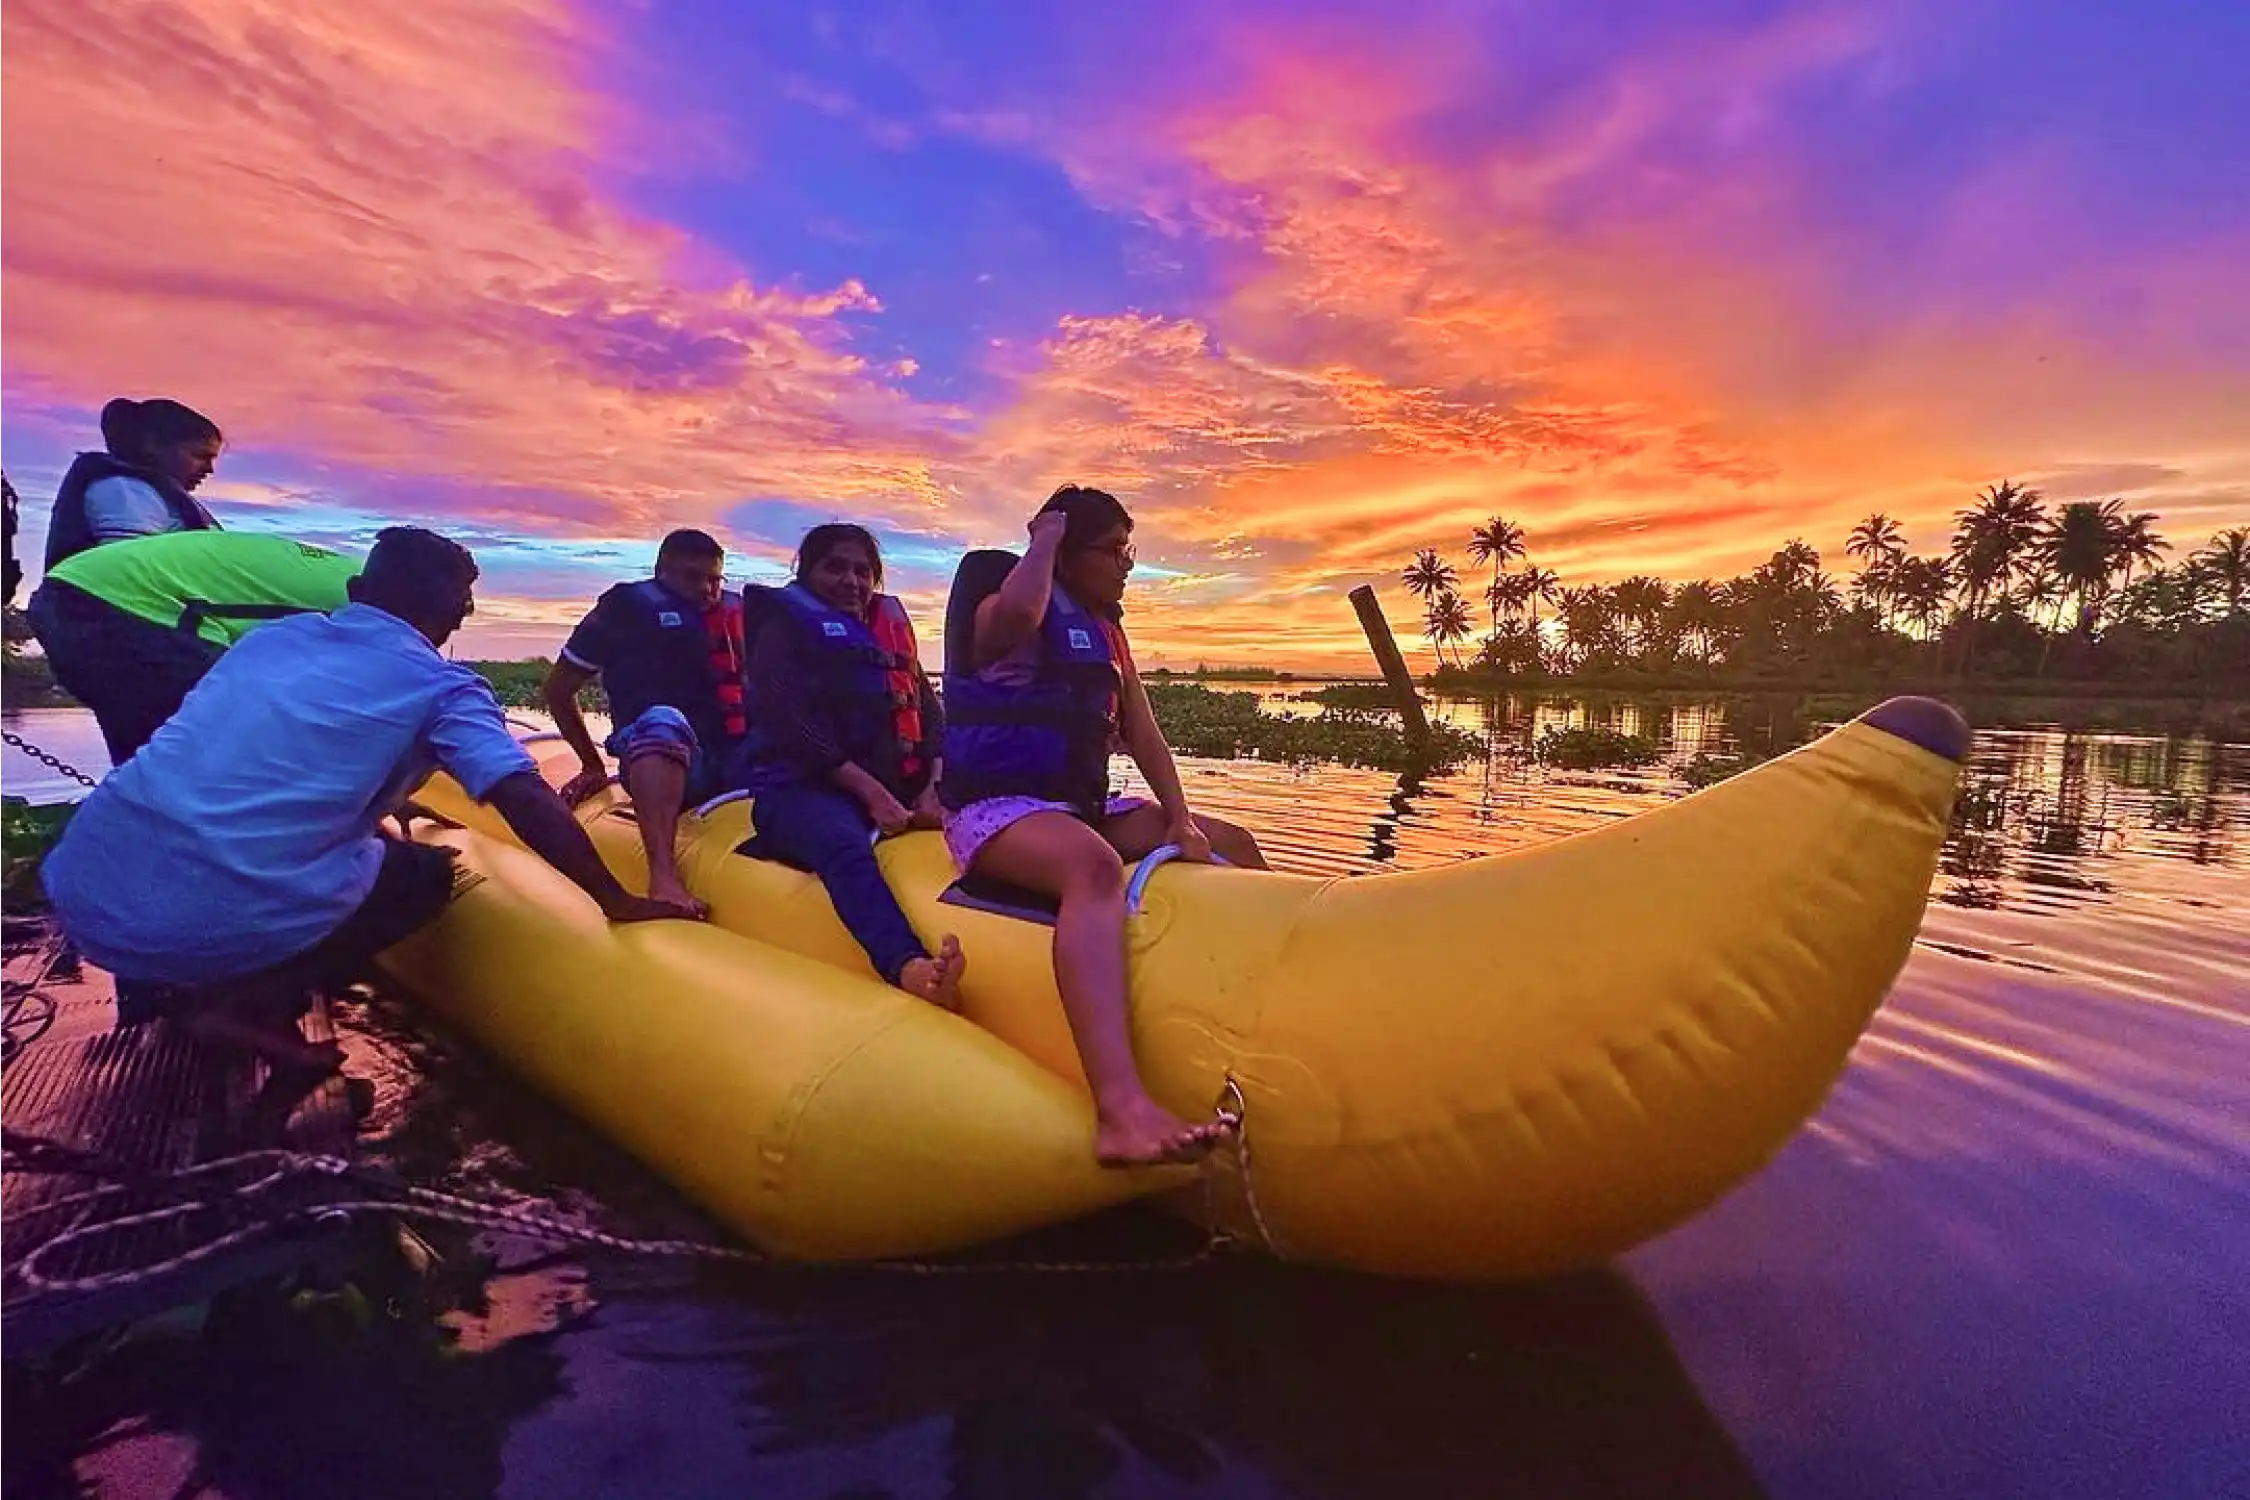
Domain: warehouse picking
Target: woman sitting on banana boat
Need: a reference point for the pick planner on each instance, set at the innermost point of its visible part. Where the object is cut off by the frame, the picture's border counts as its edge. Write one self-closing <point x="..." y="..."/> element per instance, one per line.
<point x="843" y="744"/>
<point x="1036" y="698"/>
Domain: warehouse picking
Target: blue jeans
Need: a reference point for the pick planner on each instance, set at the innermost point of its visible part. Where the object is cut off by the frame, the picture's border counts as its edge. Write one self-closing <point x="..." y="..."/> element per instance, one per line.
<point x="821" y="829"/>
<point x="665" y="731"/>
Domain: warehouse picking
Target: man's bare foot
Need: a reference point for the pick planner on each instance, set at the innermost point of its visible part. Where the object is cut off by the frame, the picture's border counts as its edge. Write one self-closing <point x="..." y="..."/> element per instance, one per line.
<point x="1148" y="1134"/>
<point x="670" y="888"/>
<point x="937" y="980"/>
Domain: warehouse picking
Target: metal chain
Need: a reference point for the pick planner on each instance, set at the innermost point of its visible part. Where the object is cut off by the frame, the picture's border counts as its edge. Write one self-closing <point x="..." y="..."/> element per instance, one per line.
<point x="410" y="1201"/>
<point x="51" y="762"/>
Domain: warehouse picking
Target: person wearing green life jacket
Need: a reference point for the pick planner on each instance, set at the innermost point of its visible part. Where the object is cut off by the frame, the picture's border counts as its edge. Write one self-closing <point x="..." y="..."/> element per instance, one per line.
<point x="131" y="627"/>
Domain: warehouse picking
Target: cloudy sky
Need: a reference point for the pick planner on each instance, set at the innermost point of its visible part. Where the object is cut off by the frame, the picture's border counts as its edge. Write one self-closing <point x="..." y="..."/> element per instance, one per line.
<point x="1310" y="284"/>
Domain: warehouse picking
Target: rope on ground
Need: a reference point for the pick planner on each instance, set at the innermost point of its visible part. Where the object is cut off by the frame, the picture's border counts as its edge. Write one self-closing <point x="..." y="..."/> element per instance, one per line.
<point x="405" y="1200"/>
<point x="1234" y="1109"/>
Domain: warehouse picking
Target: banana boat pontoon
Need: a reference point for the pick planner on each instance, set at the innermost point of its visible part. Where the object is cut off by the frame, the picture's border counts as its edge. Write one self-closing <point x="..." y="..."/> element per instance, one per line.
<point x="1505" y="1067"/>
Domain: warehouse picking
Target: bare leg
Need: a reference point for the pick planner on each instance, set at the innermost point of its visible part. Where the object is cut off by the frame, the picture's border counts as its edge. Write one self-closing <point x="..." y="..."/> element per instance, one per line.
<point x="1136" y="833"/>
<point x="658" y="786"/>
<point x="937" y="980"/>
<point x="1055" y="853"/>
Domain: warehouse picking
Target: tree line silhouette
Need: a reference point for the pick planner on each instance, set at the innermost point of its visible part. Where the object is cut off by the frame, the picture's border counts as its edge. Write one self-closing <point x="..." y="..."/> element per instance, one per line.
<point x="2080" y="593"/>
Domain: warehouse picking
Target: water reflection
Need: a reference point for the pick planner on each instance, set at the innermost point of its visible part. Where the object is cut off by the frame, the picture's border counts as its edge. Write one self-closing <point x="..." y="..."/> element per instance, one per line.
<point x="275" y="1400"/>
<point x="1295" y="1382"/>
<point x="2045" y="816"/>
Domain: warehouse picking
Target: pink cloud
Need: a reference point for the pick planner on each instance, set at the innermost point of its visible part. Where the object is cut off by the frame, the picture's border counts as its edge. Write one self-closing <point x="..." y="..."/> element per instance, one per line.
<point x="376" y="235"/>
<point x="1613" y="320"/>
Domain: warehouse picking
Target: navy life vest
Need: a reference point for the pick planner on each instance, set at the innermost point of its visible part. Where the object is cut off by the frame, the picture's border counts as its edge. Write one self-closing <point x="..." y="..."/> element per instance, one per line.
<point x="671" y="651"/>
<point x="14" y="568"/>
<point x="1048" y="737"/>
<point x="860" y="677"/>
<point x="69" y="533"/>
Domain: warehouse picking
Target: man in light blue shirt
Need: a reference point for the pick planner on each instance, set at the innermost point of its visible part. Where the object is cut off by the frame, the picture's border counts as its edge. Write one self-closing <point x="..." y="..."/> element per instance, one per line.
<point x="241" y="846"/>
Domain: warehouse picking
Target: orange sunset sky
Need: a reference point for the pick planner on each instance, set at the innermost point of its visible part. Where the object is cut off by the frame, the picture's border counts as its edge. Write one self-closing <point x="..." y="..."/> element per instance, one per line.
<point x="1309" y="285"/>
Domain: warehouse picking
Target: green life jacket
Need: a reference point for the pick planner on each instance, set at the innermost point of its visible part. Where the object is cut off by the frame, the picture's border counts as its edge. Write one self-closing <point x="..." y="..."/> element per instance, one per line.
<point x="218" y="585"/>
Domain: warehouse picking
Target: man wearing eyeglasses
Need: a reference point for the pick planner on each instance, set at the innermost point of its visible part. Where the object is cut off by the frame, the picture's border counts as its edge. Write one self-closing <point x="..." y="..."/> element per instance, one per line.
<point x="668" y="651"/>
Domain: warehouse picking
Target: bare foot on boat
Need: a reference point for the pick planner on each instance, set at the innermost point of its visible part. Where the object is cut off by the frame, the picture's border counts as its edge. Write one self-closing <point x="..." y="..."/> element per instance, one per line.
<point x="937" y="980"/>
<point x="670" y="888"/>
<point x="1145" y="1133"/>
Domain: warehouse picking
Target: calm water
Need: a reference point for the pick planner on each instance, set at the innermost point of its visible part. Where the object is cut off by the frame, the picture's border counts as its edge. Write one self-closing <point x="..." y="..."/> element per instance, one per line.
<point x="2011" y="1256"/>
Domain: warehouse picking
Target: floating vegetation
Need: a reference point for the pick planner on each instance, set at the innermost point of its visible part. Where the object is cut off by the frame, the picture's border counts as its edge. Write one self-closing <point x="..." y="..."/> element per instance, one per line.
<point x="1373" y="696"/>
<point x="26" y="834"/>
<point x="1199" y="721"/>
<point x="1710" y="768"/>
<point x="1589" y="748"/>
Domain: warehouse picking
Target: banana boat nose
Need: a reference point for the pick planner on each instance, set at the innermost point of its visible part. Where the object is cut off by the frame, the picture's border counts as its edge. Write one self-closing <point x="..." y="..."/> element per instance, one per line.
<point x="1526" y="1063"/>
<point x="1928" y="722"/>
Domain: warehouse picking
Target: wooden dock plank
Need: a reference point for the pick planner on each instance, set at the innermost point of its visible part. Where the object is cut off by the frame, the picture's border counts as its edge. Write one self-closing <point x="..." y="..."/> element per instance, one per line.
<point x="134" y="1100"/>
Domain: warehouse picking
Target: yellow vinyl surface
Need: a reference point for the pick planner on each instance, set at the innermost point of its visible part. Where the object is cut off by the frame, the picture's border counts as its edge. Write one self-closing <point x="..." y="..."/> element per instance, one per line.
<point x="1504" y="1067"/>
<point x="823" y="1115"/>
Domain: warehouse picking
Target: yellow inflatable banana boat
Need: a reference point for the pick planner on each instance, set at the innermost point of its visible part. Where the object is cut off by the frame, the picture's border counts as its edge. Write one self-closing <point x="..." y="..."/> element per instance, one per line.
<point x="1505" y="1067"/>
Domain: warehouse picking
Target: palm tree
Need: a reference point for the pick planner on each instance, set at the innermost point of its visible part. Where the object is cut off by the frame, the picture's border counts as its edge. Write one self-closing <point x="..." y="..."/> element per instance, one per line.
<point x="1876" y="539"/>
<point x="1498" y="542"/>
<point x="2080" y="546"/>
<point x="1876" y="586"/>
<point x="1588" y="622"/>
<point x="2138" y="543"/>
<point x="1924" y="585"/>
<point x="2227" y="563"/>
<point x="1545" y="585"/>
<point x="1639" y="603"/>
<point x="1509" y="593"/>
<point x="1448" y="624"/>
<point x="1880" y="545"/>
<point x="1698" y="609"/>
<point x="1994" y="537"/>
<point x="2043" y="589"/>
<point x="1514" y="647"/>
<point x="2166" y="600"/>
<point x="1428" y="575"/>
<point x="1797" y="561"/>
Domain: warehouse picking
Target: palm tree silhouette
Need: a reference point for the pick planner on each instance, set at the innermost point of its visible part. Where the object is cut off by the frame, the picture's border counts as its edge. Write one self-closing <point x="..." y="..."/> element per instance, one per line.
<point x="1924" y="586"/>
<point x="2081" y="546"/>
<point x="1448" y="624"/>
<point x="1992" y="540"/>
<point x="1589" y="626"/>
<point x="1545" y="584"/>
<point x="1498" y="542"/>
<point x="2227" y="563"/>
<point x="1428" y="575"/>
<point x="1698" y="610"/>
<point x="1876" y="539"/>
<point x="2045" y="574"/>
<point x="2138" y="544"/>
<point x="1796" y="563"/>
<point x="1880" y="546"/>
<point x="1639" y="603"/>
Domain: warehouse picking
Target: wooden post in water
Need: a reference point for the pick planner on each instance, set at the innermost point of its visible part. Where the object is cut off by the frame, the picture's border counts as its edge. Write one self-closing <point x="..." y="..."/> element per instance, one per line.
<point x="1387" y="657"/>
